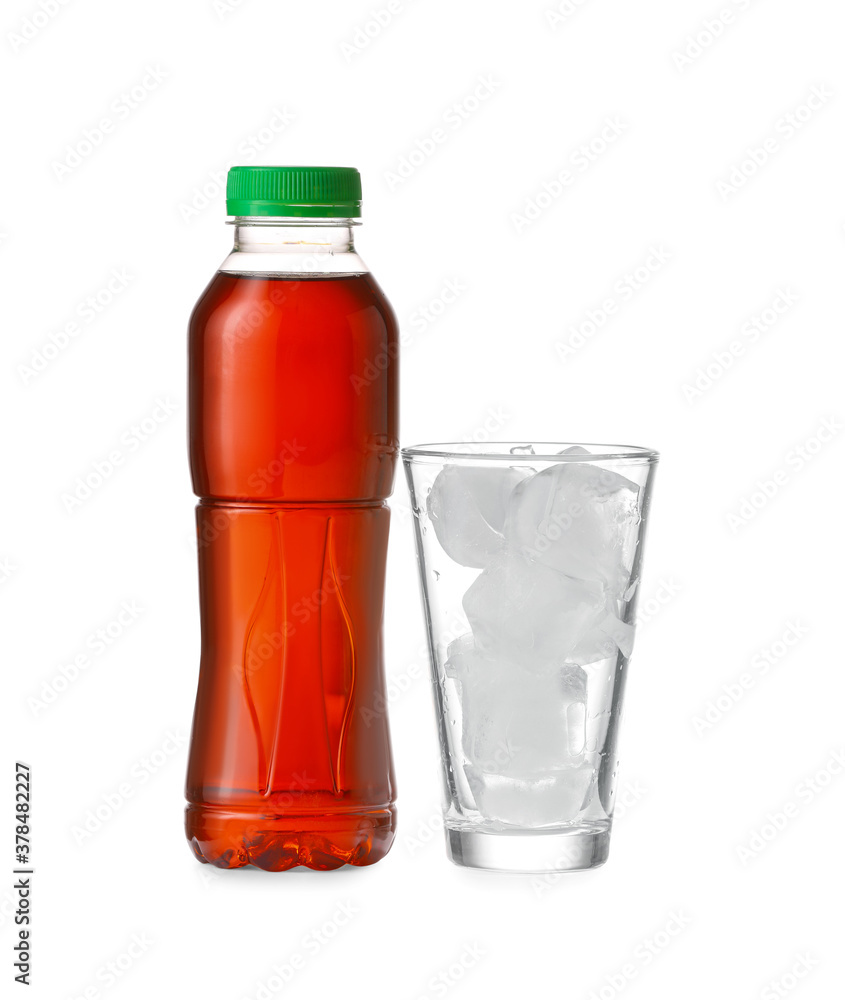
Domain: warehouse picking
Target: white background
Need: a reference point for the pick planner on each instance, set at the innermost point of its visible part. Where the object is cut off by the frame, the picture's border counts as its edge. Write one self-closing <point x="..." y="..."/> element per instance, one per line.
<point x="699" y="835"/>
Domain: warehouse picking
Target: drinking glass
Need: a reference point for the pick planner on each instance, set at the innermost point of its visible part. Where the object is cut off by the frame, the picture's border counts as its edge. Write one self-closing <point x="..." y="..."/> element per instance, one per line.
<point x="530" y="557"/>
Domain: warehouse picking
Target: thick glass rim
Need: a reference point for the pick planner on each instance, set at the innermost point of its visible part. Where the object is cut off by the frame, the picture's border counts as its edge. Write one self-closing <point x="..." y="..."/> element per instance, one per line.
<point x="544" y="451"/>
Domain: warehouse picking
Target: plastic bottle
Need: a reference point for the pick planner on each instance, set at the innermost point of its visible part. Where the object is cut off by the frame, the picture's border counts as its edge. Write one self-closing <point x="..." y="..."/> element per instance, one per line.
<point x="293" y="442"/>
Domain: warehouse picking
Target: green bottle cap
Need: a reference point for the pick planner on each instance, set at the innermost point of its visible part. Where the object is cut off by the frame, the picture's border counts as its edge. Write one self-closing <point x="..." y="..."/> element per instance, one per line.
<point x="310" y="192"/>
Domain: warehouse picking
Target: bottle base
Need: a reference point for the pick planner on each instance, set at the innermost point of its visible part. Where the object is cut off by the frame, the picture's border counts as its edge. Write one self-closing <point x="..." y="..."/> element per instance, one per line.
<point x="528" y="853"/>
<point x="227" y="838"/>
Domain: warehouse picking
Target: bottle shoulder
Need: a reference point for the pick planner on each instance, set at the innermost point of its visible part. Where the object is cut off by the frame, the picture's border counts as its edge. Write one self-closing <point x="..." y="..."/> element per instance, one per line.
<point x="293" y="263"/>
<point x="242" y="288"/>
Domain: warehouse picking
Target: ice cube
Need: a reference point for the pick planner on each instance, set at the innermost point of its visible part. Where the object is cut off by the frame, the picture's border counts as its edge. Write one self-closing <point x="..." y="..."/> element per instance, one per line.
<point x="596" y="645"/>
<point x="519" y="723"/>
<point x="467" y="507"/>
<point x="573" y="682"/>
<point x="484" y="703"/>
<point x="530" y="613"/>
<point x="460" y="654"/>
<point x="552" y="800"/>
<point x="547" y="723"/>
<point x="601" y="680"/>
<point x="578" y="519"/>
<point x="574" y="449"/>
<point x="620" y="632"/>
<point x="609" y="636"/>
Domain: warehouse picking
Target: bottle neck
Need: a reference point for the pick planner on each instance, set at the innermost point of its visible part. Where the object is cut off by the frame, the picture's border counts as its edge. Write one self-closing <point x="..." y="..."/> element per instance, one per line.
<point x="274" y="245"/>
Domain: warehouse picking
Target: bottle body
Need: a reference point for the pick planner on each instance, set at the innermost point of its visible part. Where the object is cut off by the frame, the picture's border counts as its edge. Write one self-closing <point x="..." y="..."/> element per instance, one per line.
<point x="293" y="439"/>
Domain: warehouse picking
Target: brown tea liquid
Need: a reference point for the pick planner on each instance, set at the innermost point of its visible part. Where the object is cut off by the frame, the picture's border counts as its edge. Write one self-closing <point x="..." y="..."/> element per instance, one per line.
<point x="293" y="441"/>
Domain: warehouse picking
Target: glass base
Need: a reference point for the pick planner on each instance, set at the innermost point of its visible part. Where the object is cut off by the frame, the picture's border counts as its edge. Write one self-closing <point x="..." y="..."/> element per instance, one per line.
<point x="528" y="852"/>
